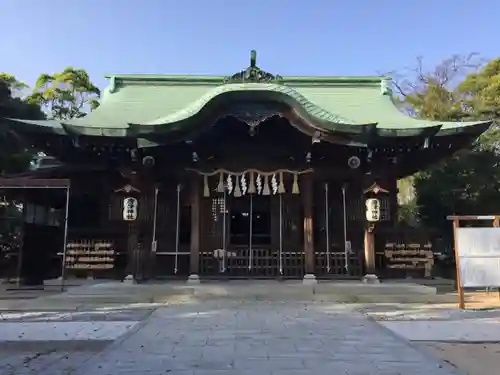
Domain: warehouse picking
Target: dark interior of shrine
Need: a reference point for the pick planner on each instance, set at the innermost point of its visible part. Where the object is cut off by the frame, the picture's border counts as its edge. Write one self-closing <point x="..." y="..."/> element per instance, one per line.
<point x="235" y="145"/>
<point x="35" y="254"/>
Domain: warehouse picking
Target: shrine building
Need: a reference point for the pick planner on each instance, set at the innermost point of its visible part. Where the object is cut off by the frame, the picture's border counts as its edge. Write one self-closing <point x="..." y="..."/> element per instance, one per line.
<point x="253" y="175"/>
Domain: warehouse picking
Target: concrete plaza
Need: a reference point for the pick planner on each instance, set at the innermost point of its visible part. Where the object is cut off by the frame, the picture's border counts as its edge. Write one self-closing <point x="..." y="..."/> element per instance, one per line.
<point x="227" y="338"/>
<point x="215" y="333"/>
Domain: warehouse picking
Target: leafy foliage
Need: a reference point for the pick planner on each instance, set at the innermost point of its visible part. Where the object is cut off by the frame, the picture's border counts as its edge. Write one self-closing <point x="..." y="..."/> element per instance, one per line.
<point x="14" y="158"/>
<point x="461" y="88"/>
<point x="481" y="91"/>
<point x="11" y="104"/>
<point x="65" y="95"/>
<point x="467" y="183"/>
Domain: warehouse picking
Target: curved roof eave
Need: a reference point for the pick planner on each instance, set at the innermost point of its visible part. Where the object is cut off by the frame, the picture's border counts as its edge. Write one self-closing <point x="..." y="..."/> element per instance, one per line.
<point x="437" y="128"/>
<point x="469" y="127"/>
<point x="313" y="117"/>
<point x="137" y="130"/>
<point x="406" y="126"/>
<point x="64" y="128"/>
<point x="41" y="126"/>
<point x="266" y="91"/>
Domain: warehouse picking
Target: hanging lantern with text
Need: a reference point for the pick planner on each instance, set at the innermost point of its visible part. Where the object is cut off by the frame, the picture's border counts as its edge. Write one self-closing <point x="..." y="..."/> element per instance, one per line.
<point x="130" y="206"/>
<point x="373" y="210"/>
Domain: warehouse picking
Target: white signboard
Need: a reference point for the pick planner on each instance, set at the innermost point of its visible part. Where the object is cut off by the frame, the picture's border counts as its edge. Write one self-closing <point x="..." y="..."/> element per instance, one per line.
<point x="478" y="250"/>
<point x="372" y="209"/>
<point x="130" y="209"/>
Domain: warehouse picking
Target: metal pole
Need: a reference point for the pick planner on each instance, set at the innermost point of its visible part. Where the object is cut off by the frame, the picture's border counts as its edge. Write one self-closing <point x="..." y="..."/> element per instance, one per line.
<point x="281" y="234"/>
<point x="155" y="213"/>
<point x="177" y="227"/>
<point x="327" y="228"/>
<point x="65" y="240"/>
<point x="21" y="245"/>
<point x="250" y="250"/>
<point x="346" y="252"/>
<point x="224" y="233"/>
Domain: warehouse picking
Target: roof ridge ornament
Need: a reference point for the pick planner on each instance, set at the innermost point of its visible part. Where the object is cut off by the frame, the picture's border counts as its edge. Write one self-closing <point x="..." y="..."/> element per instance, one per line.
<point x="386" y="86"/>
<point x="253" y="73"/>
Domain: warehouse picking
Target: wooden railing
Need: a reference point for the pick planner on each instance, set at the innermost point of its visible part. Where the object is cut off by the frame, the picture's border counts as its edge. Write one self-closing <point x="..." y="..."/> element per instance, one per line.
<point x="259" y="262"/>
<point x="334" y="264"/>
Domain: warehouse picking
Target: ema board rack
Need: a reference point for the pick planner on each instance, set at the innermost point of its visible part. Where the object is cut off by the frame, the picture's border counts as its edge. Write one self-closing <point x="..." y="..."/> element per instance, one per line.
<point x="90" y="255"/>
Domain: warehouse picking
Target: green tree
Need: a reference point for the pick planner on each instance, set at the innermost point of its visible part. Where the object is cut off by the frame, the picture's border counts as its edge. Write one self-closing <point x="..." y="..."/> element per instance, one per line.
<point x="480" y="91"/>
<point x="461" y="88"/>
<point x="12" y="104"/>
<point x="14" y="157"/>
<point x="65" y="95"/>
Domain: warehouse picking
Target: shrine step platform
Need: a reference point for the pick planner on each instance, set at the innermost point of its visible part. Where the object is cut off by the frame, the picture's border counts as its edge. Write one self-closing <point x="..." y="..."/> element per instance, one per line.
<point x="334" y="291"/>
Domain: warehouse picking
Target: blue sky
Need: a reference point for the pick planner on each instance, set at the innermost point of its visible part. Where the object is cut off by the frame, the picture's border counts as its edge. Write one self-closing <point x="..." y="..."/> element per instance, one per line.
<point x="292" y="37"/>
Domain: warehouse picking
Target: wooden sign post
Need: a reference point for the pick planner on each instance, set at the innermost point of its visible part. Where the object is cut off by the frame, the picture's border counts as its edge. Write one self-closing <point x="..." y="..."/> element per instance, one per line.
<point x="481" y="251"/>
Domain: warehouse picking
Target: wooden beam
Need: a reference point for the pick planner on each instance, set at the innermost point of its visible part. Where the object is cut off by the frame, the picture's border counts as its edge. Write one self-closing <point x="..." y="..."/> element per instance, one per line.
<point x="32" y="183"/>
<point x="471" y="217"/>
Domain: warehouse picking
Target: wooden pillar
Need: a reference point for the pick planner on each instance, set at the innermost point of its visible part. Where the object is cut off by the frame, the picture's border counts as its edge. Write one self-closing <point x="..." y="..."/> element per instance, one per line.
<point x="307" y="199"/>
<point x="133" y="256"/>
<point x="369" y="247"/>
<point x="194" y="258"/>
<point x="135" y="250"/>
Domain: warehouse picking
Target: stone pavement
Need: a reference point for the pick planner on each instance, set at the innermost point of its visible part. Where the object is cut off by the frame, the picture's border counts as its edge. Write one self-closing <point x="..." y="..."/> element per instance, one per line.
<point x="220" y="328"/>
<point x="64" y="331"/>
<point x="464" y="330"/>
<point x="60" y="342"/>
<point x="467" y="339"/>
<point x="225" y="338"/>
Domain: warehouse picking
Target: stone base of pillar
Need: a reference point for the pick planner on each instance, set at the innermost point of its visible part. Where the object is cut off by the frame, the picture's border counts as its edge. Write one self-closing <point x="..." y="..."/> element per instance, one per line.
<point x="129" y="279"/>
<point x="309" y="279"/>
<point x="193" y="279"/>
<point x="371" y="279"/>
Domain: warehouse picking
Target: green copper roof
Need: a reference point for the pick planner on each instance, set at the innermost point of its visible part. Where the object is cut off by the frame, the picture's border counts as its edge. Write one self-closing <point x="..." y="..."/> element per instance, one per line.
<point x="140" y="104"/>
<point x="167" y="101"/>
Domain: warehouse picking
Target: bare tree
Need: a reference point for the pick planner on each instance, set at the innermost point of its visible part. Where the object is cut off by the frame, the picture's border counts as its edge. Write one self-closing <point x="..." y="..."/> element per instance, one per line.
<point x="447" y="74"/>
<point x="431" y="93"/>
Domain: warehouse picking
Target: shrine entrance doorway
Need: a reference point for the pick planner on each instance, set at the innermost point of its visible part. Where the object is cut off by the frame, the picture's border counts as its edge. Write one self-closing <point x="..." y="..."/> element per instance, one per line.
<point x="252" y="235"/>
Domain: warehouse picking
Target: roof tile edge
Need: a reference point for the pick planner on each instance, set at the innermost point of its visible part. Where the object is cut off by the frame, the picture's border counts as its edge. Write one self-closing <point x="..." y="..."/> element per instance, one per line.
<point x="219" y="80"/>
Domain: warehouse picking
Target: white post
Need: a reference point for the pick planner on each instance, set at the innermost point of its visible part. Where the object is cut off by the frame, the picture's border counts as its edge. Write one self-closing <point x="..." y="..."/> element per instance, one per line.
<point x="250" y="244"/>
<point x="346" y="250"/>
<point x="223" y="266"/>
<point x="281" y="234"/>
<point x="155" y="214"/>
<point x="20" y="256"/>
